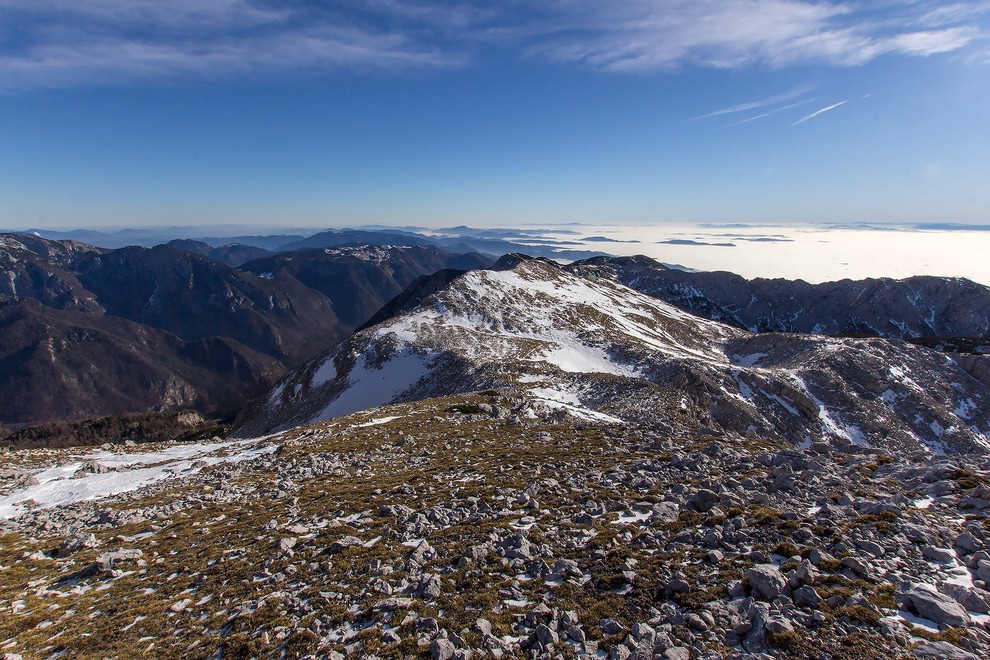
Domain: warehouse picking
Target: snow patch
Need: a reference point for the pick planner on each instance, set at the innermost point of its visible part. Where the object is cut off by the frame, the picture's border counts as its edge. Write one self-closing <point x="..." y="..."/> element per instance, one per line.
<point x="568" y="401"/>
<point x="632" y="517"/>
<point x="918" y="621"/>
<point x="965" y="409"/>
<point x="57" y="487"/>
<point x="326" y="372"/>
<point x="376" y="422"/>
<point x="370" y="387"/>
<point x="577" y="358"/>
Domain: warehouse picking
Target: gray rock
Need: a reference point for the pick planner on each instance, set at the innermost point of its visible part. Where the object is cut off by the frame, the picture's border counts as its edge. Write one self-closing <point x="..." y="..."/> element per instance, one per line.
<point x="483" y="626"/>
<point x="870" y="547"/>
<point x="784" y="481"/>
<point x="429" y="587"/>
<point x="77" y="542"/>
<point x="805" y="574"/>
<point x="442" y="649"/>
<point x="567" y="568"/>
<point x="703" y="500"/>
<point x="642" y="631"/>
<point x="806" y="597"/>
<point x="619" y="652"/>
<point x="343" y="543"/>
<point x="778" y="624"/>
<point x="938" y="607"/>
<point x="545" y="636"/>
<point x="107" y="560"/>
<point x="714" y="556"/>
<point x="943" y="651"/>
<point x="766" y="581"/>
<point x="665" y="512"/>
<point x="610" y="626"/>
<point x="422" y="553"/>
<point x="938" y="555"/>
<point x="856" y="565"/>
<point x="973" y="599"/>
<point x="429" y="624"/>
<point x="517" y="547"/>
<point x="968" y="543"/>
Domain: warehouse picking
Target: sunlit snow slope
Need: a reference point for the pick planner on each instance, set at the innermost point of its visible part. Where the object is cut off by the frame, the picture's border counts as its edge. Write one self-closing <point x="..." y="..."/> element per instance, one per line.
<point x="596" y="349"/>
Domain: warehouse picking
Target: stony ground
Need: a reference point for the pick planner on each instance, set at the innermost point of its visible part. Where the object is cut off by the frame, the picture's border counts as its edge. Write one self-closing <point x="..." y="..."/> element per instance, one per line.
<point x="478" y="527"/>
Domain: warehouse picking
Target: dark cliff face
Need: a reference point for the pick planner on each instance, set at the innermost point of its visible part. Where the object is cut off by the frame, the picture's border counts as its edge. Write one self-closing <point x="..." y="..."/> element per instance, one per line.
<point x="62" y="364"/>
<point x="903" y="309"/>
<point x="195" y="297"/>
<point x="88" y="331"/>
<point x="360" y="280"/>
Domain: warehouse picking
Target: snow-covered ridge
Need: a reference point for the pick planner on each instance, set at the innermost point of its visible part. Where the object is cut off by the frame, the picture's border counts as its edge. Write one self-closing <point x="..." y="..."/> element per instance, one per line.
<point x="536" y="323"/>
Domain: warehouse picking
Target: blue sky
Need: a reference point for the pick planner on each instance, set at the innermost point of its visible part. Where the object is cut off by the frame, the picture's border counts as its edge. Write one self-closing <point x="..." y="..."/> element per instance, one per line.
<point x="428" y="112"/>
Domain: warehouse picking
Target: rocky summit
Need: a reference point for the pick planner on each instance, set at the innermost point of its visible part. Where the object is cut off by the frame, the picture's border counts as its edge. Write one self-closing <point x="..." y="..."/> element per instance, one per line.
<point x="530" y="461"/>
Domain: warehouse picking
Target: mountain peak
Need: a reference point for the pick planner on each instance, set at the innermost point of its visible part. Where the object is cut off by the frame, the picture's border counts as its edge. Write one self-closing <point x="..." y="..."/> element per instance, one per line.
<point x="589" y="346"/>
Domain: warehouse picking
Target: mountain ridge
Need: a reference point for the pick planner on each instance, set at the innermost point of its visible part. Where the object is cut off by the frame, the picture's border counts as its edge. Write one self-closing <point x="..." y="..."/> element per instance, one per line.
<point x="533" y="322"/>
<point x="154" y="308"/>
<point x="915" y="307"/>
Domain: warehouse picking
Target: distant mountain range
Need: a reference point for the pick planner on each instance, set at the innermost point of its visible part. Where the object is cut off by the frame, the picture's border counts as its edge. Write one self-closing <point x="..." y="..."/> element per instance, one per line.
<point x="88" y="331"/>
<point x="236" y="250"/>
<point x="93" y="331"/>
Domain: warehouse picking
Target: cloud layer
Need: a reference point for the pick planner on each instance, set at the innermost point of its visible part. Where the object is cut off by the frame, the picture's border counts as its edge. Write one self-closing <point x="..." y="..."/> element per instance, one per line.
<point x="59" y="43"/>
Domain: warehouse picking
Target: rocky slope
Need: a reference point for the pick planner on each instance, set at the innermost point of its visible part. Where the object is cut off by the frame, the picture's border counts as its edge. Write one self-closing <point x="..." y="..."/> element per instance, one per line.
<point x="493" y="525"/>
<point x="594" y="348"/>
<point x="136" y="329"/>
<point x="909" y="308"/>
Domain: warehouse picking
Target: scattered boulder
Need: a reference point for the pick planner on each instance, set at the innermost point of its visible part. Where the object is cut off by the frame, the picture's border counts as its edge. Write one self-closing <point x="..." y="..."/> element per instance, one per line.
<point x="766" y="581"/>
<point x="938" y="607"/>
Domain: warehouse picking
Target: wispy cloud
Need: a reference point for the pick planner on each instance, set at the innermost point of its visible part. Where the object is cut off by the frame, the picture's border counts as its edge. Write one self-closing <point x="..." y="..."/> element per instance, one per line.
<point x="55" y="43"/>
<point x="61" y="43"/>
<point x="762" y="103"/>
<point x="770" y="113"/>
<point x="818" y="113"/>
<point x="641" y="35"/>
